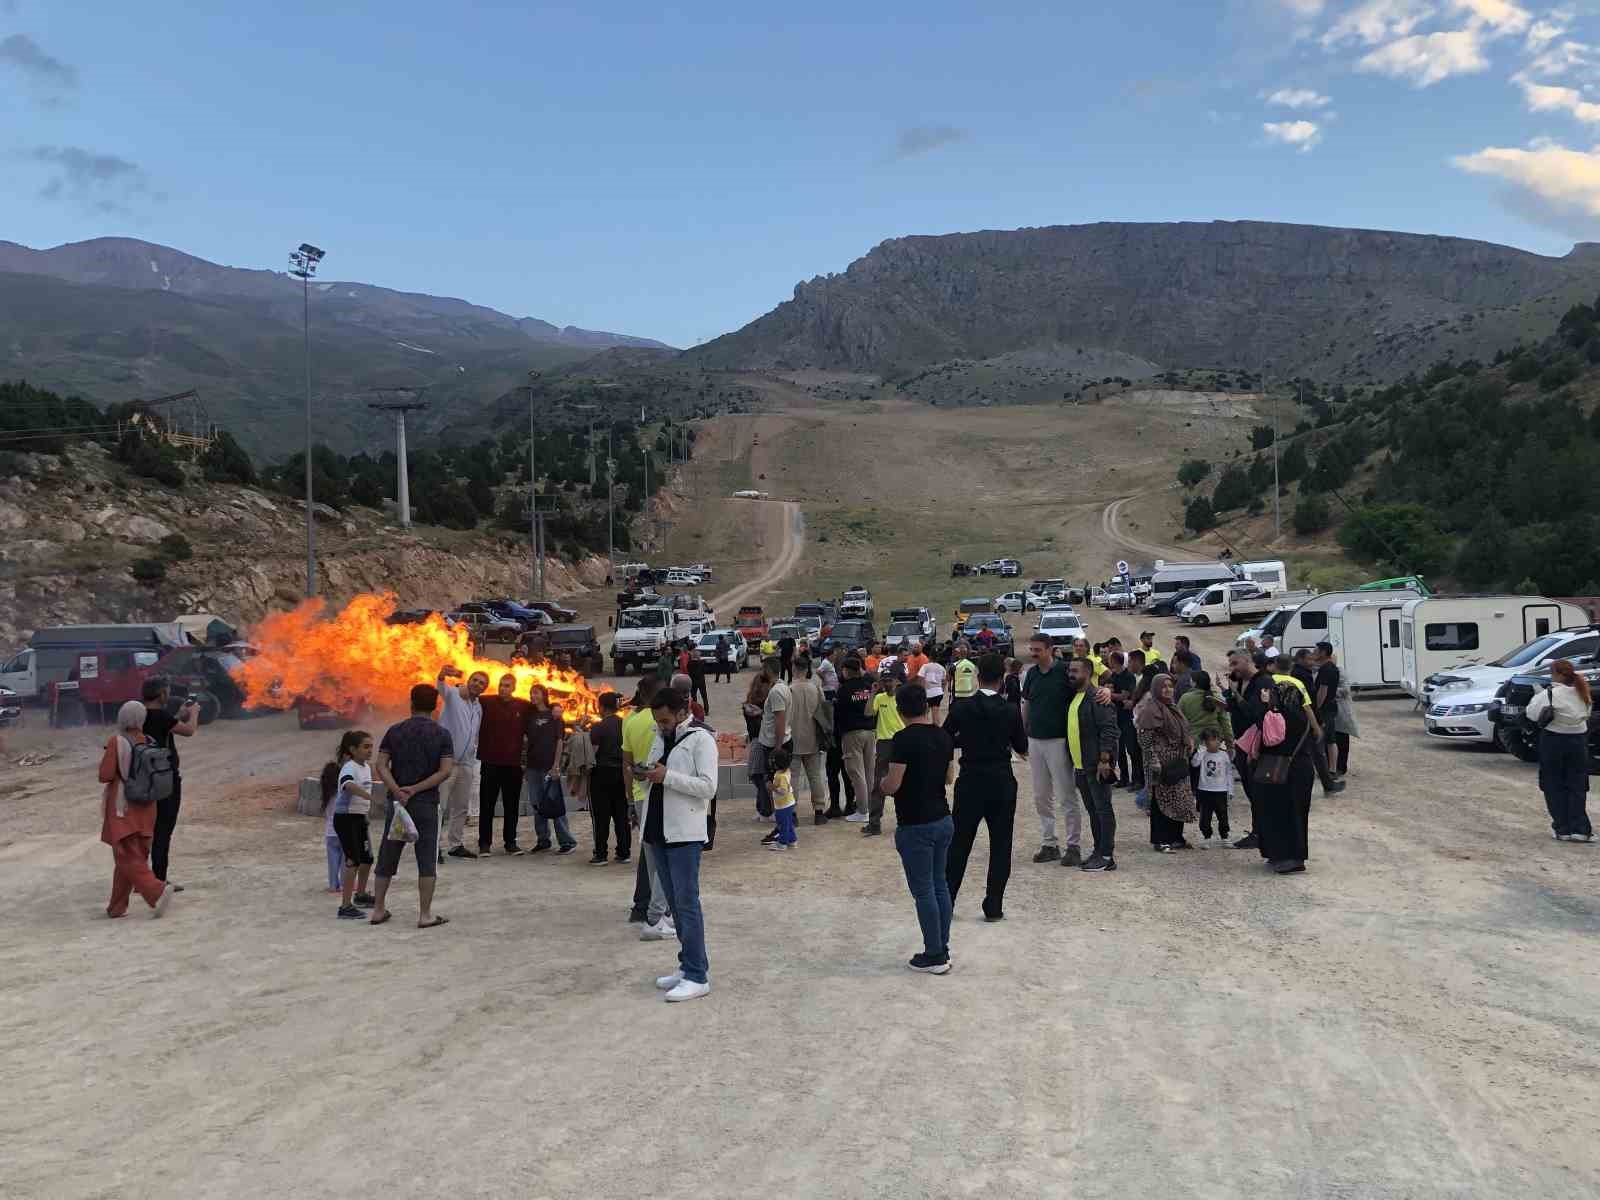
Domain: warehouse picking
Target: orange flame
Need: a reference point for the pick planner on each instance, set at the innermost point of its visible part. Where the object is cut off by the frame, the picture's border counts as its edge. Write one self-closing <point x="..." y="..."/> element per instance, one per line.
<point x="353" y="657"/>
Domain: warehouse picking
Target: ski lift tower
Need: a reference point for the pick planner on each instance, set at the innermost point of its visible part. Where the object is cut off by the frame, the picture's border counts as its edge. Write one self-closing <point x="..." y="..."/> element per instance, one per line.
<point x="400" y="401"/>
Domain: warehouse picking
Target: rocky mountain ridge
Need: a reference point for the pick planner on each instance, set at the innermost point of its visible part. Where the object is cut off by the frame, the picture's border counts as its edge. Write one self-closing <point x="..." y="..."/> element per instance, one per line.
<point x="1334" y="303"/>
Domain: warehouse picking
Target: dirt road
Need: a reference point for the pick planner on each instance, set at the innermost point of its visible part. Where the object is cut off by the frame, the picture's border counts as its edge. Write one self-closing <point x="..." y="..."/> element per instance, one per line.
<point x="1414" y="1017"/>
<point x="782" y="516"/>
<point x="1111" y="526"/>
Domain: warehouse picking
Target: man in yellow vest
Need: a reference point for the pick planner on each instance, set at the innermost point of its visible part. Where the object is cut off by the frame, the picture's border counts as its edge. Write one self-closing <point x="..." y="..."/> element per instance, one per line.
<point x="963" y="673"/>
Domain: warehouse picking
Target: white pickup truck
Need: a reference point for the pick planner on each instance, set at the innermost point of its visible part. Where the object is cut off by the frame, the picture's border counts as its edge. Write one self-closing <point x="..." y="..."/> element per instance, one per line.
<point x="1226" y="603"/>
<point x="642" y="633"/>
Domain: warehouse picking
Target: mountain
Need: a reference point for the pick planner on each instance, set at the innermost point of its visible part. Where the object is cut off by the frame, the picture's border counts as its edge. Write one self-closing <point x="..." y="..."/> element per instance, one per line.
<point x="116" y="319"/>
<point x="1328" y="303"/>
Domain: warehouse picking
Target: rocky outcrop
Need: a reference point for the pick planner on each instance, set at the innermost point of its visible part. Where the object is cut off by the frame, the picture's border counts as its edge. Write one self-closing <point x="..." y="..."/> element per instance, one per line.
<point x="1248" y="294"/>
<point x="70" y="528"/>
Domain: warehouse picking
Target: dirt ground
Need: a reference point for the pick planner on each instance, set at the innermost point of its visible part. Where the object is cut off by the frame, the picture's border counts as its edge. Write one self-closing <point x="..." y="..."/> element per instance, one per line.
<point x="1414" y="1016"/>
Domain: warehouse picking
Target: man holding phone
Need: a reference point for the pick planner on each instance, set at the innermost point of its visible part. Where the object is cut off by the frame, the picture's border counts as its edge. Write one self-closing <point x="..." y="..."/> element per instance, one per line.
<point x="162" y="728"/>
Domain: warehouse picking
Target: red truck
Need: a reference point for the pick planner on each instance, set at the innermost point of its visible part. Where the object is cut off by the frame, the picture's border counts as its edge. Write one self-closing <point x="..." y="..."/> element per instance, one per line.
<point x="752" y="625"/>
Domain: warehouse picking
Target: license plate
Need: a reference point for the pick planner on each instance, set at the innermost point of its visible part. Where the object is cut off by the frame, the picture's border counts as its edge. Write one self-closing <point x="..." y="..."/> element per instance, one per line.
<point x="1510" y="710"/>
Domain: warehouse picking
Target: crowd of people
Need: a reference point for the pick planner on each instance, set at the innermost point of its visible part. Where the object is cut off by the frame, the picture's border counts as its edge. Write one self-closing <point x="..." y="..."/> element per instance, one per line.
<point x="851" y="730"/>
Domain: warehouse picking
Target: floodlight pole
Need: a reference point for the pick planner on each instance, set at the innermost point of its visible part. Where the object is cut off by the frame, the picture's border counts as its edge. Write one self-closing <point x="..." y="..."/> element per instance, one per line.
<point x="304" y="264"/>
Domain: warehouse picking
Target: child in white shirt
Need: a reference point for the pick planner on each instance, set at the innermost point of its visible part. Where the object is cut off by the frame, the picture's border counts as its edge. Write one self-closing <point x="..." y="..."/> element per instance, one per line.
<point x="1214" y="784"/>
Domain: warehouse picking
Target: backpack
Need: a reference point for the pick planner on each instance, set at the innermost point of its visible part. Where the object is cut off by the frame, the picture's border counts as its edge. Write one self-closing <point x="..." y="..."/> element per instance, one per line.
<point x="149" y="774"/>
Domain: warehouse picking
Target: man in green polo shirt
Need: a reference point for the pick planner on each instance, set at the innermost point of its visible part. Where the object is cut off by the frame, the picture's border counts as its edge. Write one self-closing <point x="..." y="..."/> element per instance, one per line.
<point x="1046" y="691"/>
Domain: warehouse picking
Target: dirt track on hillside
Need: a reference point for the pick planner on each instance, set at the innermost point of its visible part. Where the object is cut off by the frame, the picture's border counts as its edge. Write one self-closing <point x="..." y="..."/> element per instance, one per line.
<point x="1412" y="1017"/>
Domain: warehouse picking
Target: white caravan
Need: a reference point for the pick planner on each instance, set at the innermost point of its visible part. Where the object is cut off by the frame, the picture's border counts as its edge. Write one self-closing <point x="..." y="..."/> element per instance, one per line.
<point x="1445" y="633"/>
<point x="1365" y="635"/>
<point x="1271" y="576"/>
<point x="1308" y="624"/>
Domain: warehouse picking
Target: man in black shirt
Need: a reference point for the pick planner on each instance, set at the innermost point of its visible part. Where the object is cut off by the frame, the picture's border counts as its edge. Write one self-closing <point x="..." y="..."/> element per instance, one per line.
<point x="919" y="769"/>
<point x="786" y="658"/>
<point x="414" y="758"/>
<point x="162" y="728"/>
<point x="1180" y="645"/>
<point x="986" y="728"/>
<point x="856" y="729"/>
<point x="608" y="793"/>
<point x="1124" y="682"/>
<point x="1325" y="698"/>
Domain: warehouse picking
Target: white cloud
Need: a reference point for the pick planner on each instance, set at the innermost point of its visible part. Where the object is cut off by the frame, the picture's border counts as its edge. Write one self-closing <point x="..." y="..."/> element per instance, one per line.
<point x="1548" y="180"/>
<point x="1502" y="16"/>
<point x="1426" y="58"/>
<point x="1305" y="8"/>
<point x="1297" y="98"/>
<point x="1374" y="21"/>
<point x="1543" y="97"/>
<point x="1561" y="58"/>
<point x="1302" y="135"/>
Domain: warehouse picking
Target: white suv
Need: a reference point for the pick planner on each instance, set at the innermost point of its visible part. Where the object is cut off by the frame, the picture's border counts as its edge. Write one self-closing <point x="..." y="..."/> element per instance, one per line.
<point x="1020" y="602"/>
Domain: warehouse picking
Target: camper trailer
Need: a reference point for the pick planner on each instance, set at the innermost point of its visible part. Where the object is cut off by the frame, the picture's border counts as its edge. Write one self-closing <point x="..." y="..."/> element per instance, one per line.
<point x="1184" y="577"/>
<point x="1271" y="576"/>
<point x="1365" y="635"/>
<point x="1442" y="633"/>
<point x="1308" y="624"/>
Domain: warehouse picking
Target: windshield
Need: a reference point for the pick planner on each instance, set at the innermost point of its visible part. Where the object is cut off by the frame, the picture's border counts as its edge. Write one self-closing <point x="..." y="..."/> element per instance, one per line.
<point x="904" y="628"/>
<point x="783" y="631"/>
<point x="1060" y="621"/>
<point x="984" y="622"/>
<point x="1527" y="653"/>
<point x="848" y="629"/>
<point x="643" y="618"/>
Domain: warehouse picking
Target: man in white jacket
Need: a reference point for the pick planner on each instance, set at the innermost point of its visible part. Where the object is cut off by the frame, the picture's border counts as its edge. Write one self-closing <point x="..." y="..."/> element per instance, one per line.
<point x="680" y="774"/>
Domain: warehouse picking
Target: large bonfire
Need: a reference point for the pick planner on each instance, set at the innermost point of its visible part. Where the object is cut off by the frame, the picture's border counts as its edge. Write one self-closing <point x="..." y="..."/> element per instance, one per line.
<point x="354" y="657"/>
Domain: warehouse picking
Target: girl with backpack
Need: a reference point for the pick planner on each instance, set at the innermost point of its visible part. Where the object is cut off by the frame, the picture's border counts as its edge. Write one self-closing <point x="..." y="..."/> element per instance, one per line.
<point x="132" y="770"/>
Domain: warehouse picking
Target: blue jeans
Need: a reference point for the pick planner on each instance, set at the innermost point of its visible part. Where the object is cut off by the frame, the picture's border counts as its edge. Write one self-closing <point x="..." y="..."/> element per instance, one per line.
<point x="679" y="870"/>
<point x="924" y="852"/>
<point x="785" y="820"/>
<point x="541" y="830"/>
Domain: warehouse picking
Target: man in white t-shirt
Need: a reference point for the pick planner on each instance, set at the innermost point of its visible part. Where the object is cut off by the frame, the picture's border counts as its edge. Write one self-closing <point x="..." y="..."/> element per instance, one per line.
<point x="349" y="809"/>
<point x="932" y="676"/>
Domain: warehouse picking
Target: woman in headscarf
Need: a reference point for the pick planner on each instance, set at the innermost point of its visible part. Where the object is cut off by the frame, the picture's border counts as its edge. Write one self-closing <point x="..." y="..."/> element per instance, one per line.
<point x="1285" y="807"/>
<point x="1164" y="739"/>
<point x="128" y="828"/>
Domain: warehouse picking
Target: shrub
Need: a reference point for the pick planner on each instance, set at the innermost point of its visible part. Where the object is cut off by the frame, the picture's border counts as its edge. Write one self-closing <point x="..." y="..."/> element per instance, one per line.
<point x="1558" y="374"/>
<point x="1193" y="471"/>
<point x="1311" y="514"/>
<point x="1199" y="515"/>
<point x="1233" y="490"/>
<point x="148" y="571"/>
<point x="226" y="462"/>
<point x="1405" y="536"/>
<point x="175" y="548"/>
<point x="1261" y="436"/>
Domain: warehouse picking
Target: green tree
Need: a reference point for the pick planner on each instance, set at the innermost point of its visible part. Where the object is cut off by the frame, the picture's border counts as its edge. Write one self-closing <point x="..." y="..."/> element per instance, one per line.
<point x="148" y="571"/>
<point x="1311" y="514"/>
<point x="1199" y="515"/>
<point x="225" y="461"/>
<point x="1193" y="471"/>
<point x="1233" y="490"/>
<point x="1292" y="465"/>
<point x="1261" y="436"/>
<point x="1407" y="537"/>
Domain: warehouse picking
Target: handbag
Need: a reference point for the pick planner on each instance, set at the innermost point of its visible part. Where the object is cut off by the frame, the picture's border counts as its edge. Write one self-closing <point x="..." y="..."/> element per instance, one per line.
<point x="1273" y="729"/>
<point x="1174" y="771"/>
<point x="552" y="800"/>
<point x="1250" y="742"/>
<point x="1273" y="769"/>
<point x="1549" y="713"/>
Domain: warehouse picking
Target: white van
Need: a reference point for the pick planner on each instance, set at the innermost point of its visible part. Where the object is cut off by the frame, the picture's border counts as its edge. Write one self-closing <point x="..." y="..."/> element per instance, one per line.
<point x="1184" y="577"/>
<point x="1448" y="633"/>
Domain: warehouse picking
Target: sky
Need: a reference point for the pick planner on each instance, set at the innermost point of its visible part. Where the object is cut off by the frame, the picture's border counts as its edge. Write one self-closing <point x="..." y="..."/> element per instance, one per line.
<point x="673" y="170"/>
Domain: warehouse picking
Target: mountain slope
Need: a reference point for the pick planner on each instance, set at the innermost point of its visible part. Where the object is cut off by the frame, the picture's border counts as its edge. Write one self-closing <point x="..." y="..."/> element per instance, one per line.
<point x="1247" y="294"/>
<point x="115" y="319"/>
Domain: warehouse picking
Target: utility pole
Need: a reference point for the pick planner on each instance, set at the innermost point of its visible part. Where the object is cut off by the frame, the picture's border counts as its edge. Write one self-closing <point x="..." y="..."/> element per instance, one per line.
<point x="533" y="496"/>
<point x="303" y="263"/>
<point x="1277" y="498"/>
<point x="611" y="496"/>
<point x="402" y="488"/>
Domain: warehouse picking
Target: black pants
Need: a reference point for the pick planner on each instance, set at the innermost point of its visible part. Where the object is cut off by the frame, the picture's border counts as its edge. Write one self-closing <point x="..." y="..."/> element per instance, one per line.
<point x="1129" y="757"/>
<point x="1319" y="760"/>
<point x="1164" y="831"/>
<point x="1564" y="779"/>
<point x="1213" y="804"/>
<point x="641" y="887"/>
<point x="786" y="669"/>
<point x="1096" y="795"/>
<point x="697" y="688"/>
<point x="166" y="822"/>
<point x="837" y="777"/>
<point x="724" y="671"/>
<point x="1341" y="744"/>
<point x="1241" y="768"/>
<point x="752" y="727"/>
<point x="1286" y="812"/>
<point x="608" y="808"/>
<point x="984" y="794"/>
<point x="502" y="784"/>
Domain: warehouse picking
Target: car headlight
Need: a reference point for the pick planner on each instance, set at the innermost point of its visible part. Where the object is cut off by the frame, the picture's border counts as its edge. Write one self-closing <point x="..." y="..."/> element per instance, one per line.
<point x="1443" y="683"/>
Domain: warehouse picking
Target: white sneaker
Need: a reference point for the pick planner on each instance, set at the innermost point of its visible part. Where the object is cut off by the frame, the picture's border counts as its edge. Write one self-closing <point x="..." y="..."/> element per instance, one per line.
<point x="857" y="818"/>
<point x="687" y="989"/>
<point x="667" y="982"/>
<point x="658" y="932"/>
<point x="776" y="846"/>
<point x="162" y="901"/>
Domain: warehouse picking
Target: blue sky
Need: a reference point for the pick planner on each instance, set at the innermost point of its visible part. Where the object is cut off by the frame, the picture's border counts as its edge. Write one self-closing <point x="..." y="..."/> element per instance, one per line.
<point x="673" y="170"/>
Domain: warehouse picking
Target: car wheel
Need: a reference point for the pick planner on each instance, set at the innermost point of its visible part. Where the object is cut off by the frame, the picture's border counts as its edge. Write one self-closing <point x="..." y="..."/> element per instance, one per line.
<point x="1200" y="620"/>
<point x="1514" y="741"/>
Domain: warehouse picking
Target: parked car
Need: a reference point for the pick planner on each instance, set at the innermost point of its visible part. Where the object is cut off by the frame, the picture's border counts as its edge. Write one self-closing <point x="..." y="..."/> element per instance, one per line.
<point x="408" y="616"/>
<point x="1517" y="735"/>
<point x="856" y="602"/>
<point x="1005" y="567"/>
<point x="739" y="652"/>
<point x="10" y="707"/>
<point x="1117" y="598"/>
<point x="965" y="609"/>
<point x="554" y="611"/>
<point x="1004" y="642"/>
<point x="1168" y="606"/>
<point x="1020" y="602"/>
<point x="851" y="634"/>
<point x="317" y="714"/>
<point x="1062" y="626"/>
<point x="582" y="643"/>
<point x="779" y="630"/>
<point x="1575" y="644"/>
<point x="752" y="624"/>
<point x="813" y="628"/>
<point x="487" y="626"/>
<point x="526" y="616"/>
<point x="900" y="634"/>
<point x="921" y="616"/>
